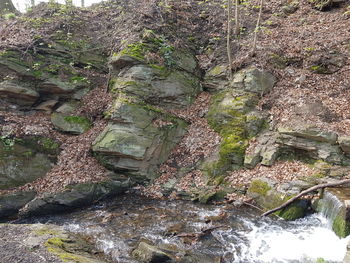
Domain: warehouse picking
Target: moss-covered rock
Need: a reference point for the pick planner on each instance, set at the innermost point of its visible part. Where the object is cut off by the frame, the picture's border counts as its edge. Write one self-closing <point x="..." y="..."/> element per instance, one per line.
<point x="254" y="80"/>
<point x="45" y="243"/>
<point x="228" y="116"/>
<point x="335" y="205"/>
<point x="52" y="71"/>
<point x="142" y="139"/>
<point x="64" y="245"/>
<point x="215" y="78"/>
<point x="20" y="165"/>
<point x="159" y="86"/>
<point x="41" y="144"/>
<point x="264" y="194"/>
<point x="325" y="63"/>
<point x="212" y="195"/>
<point x="173" y="83"/>
<point x="70" y="124"/>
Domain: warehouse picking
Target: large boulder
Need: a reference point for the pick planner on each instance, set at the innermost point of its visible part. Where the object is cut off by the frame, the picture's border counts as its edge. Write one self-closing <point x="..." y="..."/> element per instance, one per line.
<point x="254" y="80"/>
<point x="139" y="139"/>
<point x="74" y="196"/>
<point x="69" y="123"/>
<point x="215" y="79"/>
<point x="230" y="115"/>
<point x="265" y="150"/>
<point x="20" y="165"/>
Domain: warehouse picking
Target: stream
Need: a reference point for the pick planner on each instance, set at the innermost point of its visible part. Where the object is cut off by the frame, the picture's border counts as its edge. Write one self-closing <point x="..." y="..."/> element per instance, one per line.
<point x="117" y="226"/>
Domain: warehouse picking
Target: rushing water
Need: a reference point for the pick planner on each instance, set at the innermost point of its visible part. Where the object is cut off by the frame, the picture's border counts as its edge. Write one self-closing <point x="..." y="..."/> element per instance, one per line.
<point x="242" y="237"/>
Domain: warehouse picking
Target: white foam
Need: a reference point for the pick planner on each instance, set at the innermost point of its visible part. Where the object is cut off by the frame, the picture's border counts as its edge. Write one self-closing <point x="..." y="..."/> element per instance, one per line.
<point x="303" y="243"/>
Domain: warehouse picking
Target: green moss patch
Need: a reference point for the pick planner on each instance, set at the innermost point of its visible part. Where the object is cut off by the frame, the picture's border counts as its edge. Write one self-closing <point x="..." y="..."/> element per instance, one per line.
<point x="340" y="226"/>
<point x="70" y="250"/>
<point x="228" y="117"/>
<point x="259" y="187"/>
<point x="84" y="122"/>
<point x="149" y="50"/>
<point x="292" y="212"/>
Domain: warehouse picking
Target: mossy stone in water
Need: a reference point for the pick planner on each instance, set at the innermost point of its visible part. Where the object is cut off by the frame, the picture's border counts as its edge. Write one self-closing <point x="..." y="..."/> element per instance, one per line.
<point x="262" y="191"/>
<point x="341" y="226"/>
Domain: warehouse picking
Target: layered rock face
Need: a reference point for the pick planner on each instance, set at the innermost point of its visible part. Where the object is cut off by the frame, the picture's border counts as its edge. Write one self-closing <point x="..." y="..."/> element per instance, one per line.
<point x="137" y="139"/>
<point x="48" y="74"/>
<point x="140" y="135"/>
<point x="306" y="140"/>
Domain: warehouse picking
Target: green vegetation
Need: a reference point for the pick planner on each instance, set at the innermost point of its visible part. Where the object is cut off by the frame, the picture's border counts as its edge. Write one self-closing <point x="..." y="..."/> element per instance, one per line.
<point x="45" y="231"/>
<point x="150" y="49"/>
<point x="84" y="122"/>
<point x="228" y="117"/>
<point x="259" y="187"/>
<point x="9" y="16"/>
<point x="292" y="212"/>
<point x="7" y="141"/>
<point x="48" y="144"/>
<point x="57" y="246"/>
<point x="340" y="226"/>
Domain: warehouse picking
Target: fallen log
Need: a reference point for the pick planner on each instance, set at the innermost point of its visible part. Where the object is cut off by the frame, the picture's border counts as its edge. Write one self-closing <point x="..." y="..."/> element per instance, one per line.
<point x="311" y="189"/>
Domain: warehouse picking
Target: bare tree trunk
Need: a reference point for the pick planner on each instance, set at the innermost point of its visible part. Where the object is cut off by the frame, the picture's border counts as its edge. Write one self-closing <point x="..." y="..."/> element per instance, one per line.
<point x="257" y="27"/>
<point x="32" y="3"/>
<point x="6" y="6"/>
<point x="237" y="27"/>
<point x="228" y="44"/>
<point x="319" y="186"/>
<point x="82" y="3"/>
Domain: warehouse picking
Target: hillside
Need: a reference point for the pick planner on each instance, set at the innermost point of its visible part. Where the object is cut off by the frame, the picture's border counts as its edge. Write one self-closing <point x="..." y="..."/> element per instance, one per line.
<point x="136" y="95"/>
